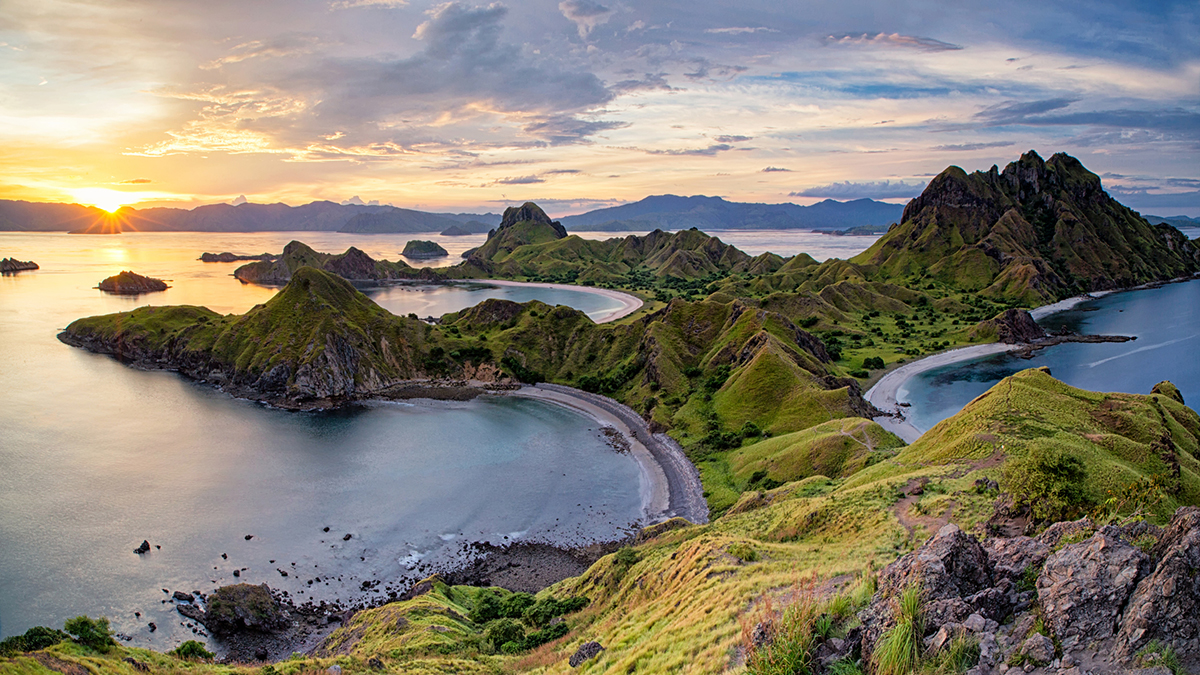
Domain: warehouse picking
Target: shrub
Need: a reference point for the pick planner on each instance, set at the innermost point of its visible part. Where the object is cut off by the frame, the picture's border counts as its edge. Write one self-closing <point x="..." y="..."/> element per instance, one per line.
<point x="751" y="430"/>
<point x="1156" y="653"/>
<point x="486" y="608"/>
<point x="899" y="649"/>
<point x="515" y="605"/>
<point x="873" y="363"/>
<point x="541" y="612"/>
<point x="1051" y="482"/>
<point x="743" y="551"/>
<point x="860" y="374"/>
<point x="38" y="637"/>
<point x="502" y="631"/>
<point x="541" y="637"/>
<point x="791" y="644"/>
<point x="192" y="650"/>
<point x="91" y="633"/>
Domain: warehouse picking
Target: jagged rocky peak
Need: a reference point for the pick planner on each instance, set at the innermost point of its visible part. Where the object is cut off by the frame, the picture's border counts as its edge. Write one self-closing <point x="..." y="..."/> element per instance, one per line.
<point x="530" y="213"/>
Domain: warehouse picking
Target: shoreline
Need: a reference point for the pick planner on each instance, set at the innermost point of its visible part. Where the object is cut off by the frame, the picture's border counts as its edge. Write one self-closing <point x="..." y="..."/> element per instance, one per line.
<point x="629" y="303"/>
<point x="670" y="483"/>
<point x="884" y="393"/>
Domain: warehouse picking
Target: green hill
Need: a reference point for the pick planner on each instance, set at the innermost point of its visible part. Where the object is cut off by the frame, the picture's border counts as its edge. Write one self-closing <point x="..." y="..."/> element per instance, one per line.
<point x="353" y="264"/>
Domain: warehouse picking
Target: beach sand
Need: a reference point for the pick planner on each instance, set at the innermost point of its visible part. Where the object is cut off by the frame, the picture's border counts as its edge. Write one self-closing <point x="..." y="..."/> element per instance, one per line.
<point x="629" y="303"/>
<point x="670" y="483"/>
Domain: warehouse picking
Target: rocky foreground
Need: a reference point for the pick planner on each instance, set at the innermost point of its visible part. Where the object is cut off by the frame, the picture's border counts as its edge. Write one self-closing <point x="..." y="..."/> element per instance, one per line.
<point x="1074" y="600"/>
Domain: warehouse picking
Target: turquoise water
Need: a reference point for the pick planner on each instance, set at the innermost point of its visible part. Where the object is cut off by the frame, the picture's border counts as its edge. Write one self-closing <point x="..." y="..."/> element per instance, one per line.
<point x="96" y="456"/>
<point x="1166" y="322"/>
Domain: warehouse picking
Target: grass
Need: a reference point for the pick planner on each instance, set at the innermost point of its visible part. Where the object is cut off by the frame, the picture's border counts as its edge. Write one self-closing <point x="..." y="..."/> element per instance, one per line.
<point x="899" y="649"/>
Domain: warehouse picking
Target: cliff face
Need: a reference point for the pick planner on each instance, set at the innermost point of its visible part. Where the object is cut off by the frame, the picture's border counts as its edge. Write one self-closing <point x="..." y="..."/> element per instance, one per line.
<point x="1036" y="232"/>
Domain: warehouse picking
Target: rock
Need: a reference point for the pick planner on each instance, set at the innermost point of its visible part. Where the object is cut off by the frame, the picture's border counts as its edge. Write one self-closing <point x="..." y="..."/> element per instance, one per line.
<point x="191" y="611"/>
<point x="1083" y="587"/>
<point x="989" y="649"/>
<point x="1166" y="604"/>
<point x="137" y="665"/>
<point x="152" y="626"/>
<point x="334" y="670"/>
<point x="586" y="652"/>
<point x="180" y="596"/>
<point x="1169" y="390"/>
<point x="975" y="623"/>
<point x="236" y="573"/>
<point x="244" y="607"/>
<point x="227" y="257"/>
<point x="12" y="265"/>
<point x="347" y="537"/>
<point x="1039" y="649"/>
<point x="1074" y="529"/>
<point x="1013" y="326"/>
<point x="249" y="537"/>
<point x="144" y="548"/>
<point x="942" y="638"/>
<point x="994" y="604"/>
<point x="129" y="283"/>
<point x="374" y="663"/>
<point x="1009" y="557"/>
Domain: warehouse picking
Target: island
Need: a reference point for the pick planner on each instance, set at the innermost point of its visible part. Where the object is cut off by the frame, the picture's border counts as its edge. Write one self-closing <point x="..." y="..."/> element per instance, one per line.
<point x="469" y="227"/>
<point x="1043" y="526"/>
<point x="12" y="265"/>
<point x="419" y="248"/>
<point x="227" y="257"/>
<point x="129" y="283"/>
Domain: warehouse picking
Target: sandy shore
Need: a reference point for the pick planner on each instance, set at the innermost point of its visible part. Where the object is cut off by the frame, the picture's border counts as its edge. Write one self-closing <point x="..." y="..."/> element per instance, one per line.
<point x="629" y="303"/>
<point x="670" y="483"/>
<point x="890" y="390"/>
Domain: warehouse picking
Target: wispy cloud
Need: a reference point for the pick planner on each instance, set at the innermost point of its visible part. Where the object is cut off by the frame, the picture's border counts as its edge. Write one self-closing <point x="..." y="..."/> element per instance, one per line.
<point x="924" y="44"/>
<point x="520" y="180"/>
<point x="740" y="30"/>
<point x="585" y="14"/>
<point x="695" y="152"/>
<point x="775" y="169"/>
<point x="353" y="4"/>
<point x="867" y="190"/>
<point x="136" y="181"/>
<point x="965" y="147"/>
<point x="732" y="139"/>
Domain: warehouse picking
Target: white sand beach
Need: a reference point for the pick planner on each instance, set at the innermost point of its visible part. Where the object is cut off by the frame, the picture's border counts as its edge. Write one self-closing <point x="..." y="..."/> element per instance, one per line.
<point x="629" y="303"/>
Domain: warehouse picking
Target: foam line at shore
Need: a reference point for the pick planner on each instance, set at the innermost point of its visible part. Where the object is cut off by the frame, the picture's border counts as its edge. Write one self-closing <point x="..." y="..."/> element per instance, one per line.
<point x="629" y="303"/>
<point x="670" y="482"/>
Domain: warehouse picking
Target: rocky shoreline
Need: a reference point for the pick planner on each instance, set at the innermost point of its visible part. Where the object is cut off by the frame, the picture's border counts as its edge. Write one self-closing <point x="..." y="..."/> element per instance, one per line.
<point x="12" y="265"/>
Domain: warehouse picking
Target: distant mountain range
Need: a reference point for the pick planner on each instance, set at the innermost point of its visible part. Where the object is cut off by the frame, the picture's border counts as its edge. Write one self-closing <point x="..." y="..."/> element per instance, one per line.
<point x="666" y="212"/>
<point x="670" y="212"/>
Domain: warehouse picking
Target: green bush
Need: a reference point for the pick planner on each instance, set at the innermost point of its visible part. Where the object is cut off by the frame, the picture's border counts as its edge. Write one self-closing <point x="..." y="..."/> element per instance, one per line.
<point x="502" y="631"/>
<point x="541" y="637"/>
<point x="743" y="551"/>
<point x="192" y="650"/>
<point x="514" y="606"/>
<point x="1051" y="482"/>
<point x="860" y="374"/>
<point x="91" y="633"/>
<point x="38" y="637"/>
<point x="873" y="363"/>
<point x="486" y="608"/>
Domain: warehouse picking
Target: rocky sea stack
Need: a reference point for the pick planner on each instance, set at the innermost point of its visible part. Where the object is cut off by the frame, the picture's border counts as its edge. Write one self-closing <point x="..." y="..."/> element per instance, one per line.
<point x="11" y="265"/>
<point x="129" y="283"/>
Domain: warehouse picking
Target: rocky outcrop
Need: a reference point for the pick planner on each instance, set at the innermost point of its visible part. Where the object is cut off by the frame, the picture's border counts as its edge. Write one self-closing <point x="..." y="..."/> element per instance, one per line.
<point x="1166" y="604"/>
<point x="1099" y="602"/>
<point x="586" y="652"/>
<point x="1169" y="390"/>
<point x="354" y="265"/>
<point x="244" y="607"/>
<point x="129" y="283"/>
<point x="10" y="265"/>
<point x="1084" y="587"/>
<point x="1011" y="327"/>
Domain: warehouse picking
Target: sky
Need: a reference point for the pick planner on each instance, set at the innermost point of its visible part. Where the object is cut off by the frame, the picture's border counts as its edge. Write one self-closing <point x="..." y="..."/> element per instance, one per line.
<point x="579" y="104"/>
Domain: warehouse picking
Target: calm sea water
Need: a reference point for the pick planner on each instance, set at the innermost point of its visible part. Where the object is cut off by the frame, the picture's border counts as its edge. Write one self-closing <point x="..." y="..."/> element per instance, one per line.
<point x="1166" y="322"/>
<point x="96" y="456"/>
<point x="782" y="242"/>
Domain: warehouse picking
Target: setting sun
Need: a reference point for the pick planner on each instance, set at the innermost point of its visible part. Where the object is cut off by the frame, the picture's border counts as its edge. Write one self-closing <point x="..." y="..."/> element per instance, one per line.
<point x="103" y="198"/>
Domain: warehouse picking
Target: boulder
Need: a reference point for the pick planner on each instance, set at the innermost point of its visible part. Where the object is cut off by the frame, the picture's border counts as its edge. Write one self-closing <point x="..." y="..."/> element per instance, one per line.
<point x="951" y="564"/>
<point x="1039" y="649"/>
<point x="144" y="548"/>
<point x="244" y="607"/>
<point x="1084" y="586"/>
<point x="1166" y="604"/>
<point x="1009" y="557"/>
<point x="180" y="596"/>
<point x="586" y="652"/>
<point x="1072" y="529"/>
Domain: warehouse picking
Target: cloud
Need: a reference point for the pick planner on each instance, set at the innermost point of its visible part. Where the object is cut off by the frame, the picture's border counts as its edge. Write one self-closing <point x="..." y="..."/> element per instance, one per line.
<point x="1011" y="112"/>
<point x="695" y="152"/>
<point x="733" y="139"/>
<point x="924" y="44"/>
<point x="353" y="4"/>
<point x="291" y="45"/>
<point x="521" y="180"/>
<point x="585" y="14"/>
<point x="563" y="171"/>
<point x="775" y="169"/>
<point x="963" y="147"/>
<point x="1142" y="198"/>
<point x="740" y="30"/>
<point x="567" y="129"/>
<point x="136" y="181"/>
<point x="867" y="190"/>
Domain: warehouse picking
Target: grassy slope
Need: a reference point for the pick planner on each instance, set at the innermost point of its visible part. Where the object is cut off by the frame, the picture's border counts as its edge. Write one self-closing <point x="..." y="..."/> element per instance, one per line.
<point x="683" y="604"/>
